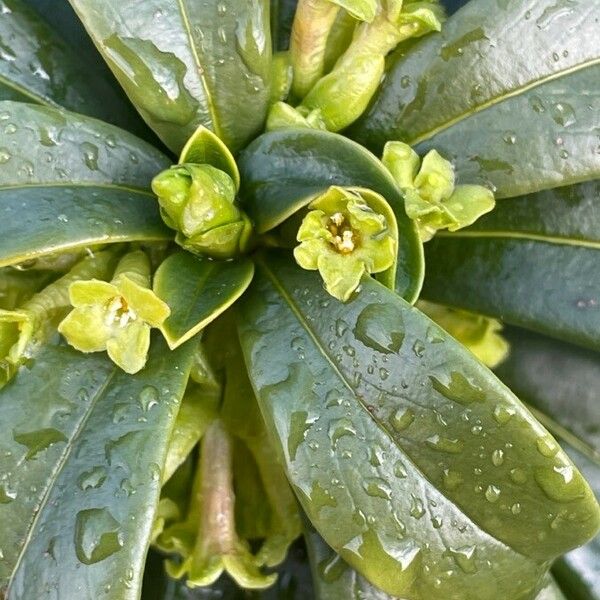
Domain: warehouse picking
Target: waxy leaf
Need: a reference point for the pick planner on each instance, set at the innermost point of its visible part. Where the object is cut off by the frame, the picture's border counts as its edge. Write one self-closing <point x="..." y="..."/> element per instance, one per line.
<point x="68" y="181"/>
<point x="283" y="171"/>
<point x="505" y="90"/>
<point x="532" y="262"/>
<point x="197" y="291"/>
<point x="562" y="382"/>
<point x="334" y="579"/>
<point x="36" y="66"/>
<point x="82" y="450"/>
<point x="410" y="458"/>
<point x="188" y="63"/>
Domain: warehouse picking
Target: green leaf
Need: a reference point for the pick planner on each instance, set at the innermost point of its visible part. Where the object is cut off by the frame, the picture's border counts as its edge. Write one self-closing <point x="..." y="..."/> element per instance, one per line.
<point x="81" y="471"/>
<point x="68" y="181"/>
<point x="208" y="288"/>
<point x="532" y="262"/>
<point x="283" y="171"/>
<point x="205" y="148"/>
<point x="562" y="382"/>
<point x="187" y="63"/>
<point x="410" y="458"/>
<point x="37" y="66"/>
<point x="504" y="90"/>
<point x="334" y="579"/>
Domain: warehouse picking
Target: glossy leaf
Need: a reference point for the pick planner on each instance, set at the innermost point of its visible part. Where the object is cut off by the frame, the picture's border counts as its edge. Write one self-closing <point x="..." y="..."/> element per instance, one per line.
<point x="206" y="289"/>
<point x="334" y="579"/>
<point x="384" y="419"/>
<point x="68" y="181"/>
<point x="37" y="66"/>
<point x="562" y="382"/>
<point x="533" y="262"/>
<point x="504" y="91"/>
<point x="81" y="471"/>
<point x="283" y="171"/>
<point x="186" y="63"/>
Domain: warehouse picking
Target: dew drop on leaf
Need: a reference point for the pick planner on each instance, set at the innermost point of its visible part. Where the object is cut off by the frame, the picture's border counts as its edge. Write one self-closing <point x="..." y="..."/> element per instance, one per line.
<point x="97" y="535"/>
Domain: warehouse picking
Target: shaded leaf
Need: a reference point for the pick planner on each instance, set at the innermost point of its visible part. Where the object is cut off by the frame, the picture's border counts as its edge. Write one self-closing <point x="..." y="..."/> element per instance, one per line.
<point x="185" y="63"/>
<point x="459" y="92"/>
<point x="208" y="288"/>
<point x="381" y="419"/>
<point x="38" y="66"/>
<point x="80" y="511"/>
<point x="514" y="264"/>
<point x="283" y="171"/>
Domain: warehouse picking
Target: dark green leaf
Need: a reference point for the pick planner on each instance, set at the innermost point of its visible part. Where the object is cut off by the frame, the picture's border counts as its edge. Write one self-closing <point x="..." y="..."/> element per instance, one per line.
<point x="37" y="66"/>
<point x="82" y="447"/>
<point x="533" y="262"/>
<point x="562" y="382"/>
<point x="187" y="63"/>
<point x="68" y="181"/>
<point x="408" y="456"/>
<point x="506" y="90"/>
<point x="282" y="171"/>
<point x="206" y="289"/>
<point x="282" y="16"/>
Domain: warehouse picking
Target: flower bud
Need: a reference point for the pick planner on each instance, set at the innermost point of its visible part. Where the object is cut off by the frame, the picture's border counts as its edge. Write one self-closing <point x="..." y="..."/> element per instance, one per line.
<point x="198" y="201"/>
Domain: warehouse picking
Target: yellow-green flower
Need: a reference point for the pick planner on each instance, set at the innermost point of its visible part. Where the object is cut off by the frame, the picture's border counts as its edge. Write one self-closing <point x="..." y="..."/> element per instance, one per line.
<point x="431" y="197"/>
<point x="24" y="329"/>
<point x="198" y="201"/>
<point x="344" y="238"/>
<point x="116" y="316"/>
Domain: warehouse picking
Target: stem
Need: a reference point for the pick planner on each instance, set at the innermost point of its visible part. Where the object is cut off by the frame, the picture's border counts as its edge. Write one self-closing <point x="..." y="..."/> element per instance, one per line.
<point x="312" y="23"/>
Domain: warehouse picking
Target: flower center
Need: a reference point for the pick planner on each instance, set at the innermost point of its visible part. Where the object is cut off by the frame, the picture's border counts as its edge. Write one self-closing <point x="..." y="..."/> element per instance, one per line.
<point x="119" y="312"/>
<point x="345" y="239"/>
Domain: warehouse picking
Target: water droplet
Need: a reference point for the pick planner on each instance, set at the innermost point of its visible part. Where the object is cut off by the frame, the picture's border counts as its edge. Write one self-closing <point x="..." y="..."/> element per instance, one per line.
<point x="400" y="470"/>
<point x="320" y="497"/>
<point x="464" y="558"/>
<point x="537" y="104"/>
<point x="518" y="475"/>
<point x="510" y="137"/>
<point x="460" y="389"/>
<point x="456" y="47"/>
<point x="497" y="457"/>
<point x="417" y="510"/>
<point x="299" y="425"/>
<point x="148" y="397"/>
<point x="10" y="129"/>
<point x="443" y="444"/>
<point x="418" y="348"/>
<point x="561" y="484"/>
<point x="563" y="114"/>
<point x="340" y="428"/>
<point x="402" y="418"/>
<point x="90" y="155"/>
<point x="6" y="494"/>
<point x="561" y="8"/>
<point x="97" y="535"/>
<point x="92" y="479"/>
<point x="404" y="81"/>
<point x="4" y="156"/>
<point x="503" y="413"/>
<point x="452" y="479"/>
<point x="492" y="493"/>
<point x="380" y="327"/>
<point x="377" y="487"/>
<point x="546" y="446"/>
<point x="37" y="441"/>
<point x="515" y="509"/>
<point x="63" y="218"/>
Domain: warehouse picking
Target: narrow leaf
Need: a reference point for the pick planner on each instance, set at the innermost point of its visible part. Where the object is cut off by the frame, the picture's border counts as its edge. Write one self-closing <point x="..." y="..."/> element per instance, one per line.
<point x="505" y="89"/>
<point x="68" y="181"/>
<point x="82" y="470"/>
<point x="187" y="63"/>
<point x="533" y="262"/>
